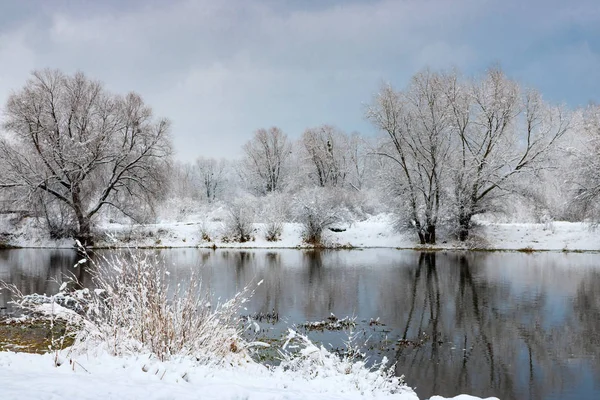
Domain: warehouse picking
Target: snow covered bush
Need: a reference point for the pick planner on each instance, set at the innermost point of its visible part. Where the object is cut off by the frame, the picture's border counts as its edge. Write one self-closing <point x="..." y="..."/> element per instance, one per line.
<point x="317" y="209"/>
<point x="135" y="307"/>
<point x="239" y="221"/>
<point x="134" y="310"/>
<point x="274" y="213"/>
<point x="304" y="358"/>
<point x="273" y="230"/>
<point x="204" y="230"/>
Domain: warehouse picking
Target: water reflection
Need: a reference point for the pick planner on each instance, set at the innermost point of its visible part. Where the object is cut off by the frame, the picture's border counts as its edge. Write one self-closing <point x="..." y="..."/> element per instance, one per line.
<point x="488" y="337"/>
<point x="516" y="326"/>
<point x="36" y="271"/>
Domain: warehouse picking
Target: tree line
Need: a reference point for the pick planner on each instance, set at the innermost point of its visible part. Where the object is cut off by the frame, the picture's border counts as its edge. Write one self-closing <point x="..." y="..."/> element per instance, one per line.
<point x="448" y="148"/>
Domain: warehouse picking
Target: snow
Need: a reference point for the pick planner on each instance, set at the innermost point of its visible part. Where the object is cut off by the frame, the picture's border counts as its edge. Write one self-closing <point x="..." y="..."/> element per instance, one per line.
<point x="373" y="232"/>
<point x="27" y="376"/>
<point x="567" y="236"/>
<point x="101" y="376"/>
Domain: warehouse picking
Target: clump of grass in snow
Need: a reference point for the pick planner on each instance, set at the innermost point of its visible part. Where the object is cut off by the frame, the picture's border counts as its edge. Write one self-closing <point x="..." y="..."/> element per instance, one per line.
<point x="304" y="358"/>
<point x="527" y="250"/>
<point x="332" y="323"/>
<point x="135" y="309"/>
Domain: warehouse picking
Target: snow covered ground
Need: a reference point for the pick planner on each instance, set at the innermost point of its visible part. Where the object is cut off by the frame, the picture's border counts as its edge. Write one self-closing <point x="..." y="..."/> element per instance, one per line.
<point x="32" y="376"/>
<point x="375" y="231"/>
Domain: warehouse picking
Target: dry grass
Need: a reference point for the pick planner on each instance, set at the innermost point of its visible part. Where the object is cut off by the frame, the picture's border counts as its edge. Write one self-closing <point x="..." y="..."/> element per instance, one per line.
<point x="135" y="309"/>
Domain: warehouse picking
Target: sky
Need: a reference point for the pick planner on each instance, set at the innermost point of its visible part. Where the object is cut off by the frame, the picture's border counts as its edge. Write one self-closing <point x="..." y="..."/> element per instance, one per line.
<point x="219" y="70"/>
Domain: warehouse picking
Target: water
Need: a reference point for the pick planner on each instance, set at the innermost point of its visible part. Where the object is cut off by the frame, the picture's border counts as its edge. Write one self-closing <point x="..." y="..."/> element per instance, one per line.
<point x="512" y="325"/>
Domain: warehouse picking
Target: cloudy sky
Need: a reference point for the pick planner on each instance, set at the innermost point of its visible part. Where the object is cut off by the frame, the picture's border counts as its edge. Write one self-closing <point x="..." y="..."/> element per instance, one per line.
<point x="221" y="69"/>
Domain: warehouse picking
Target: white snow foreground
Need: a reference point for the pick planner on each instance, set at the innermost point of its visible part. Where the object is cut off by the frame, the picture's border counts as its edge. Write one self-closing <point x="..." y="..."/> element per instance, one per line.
<point x="98" y="375"/>
<point x="102" y="376"/>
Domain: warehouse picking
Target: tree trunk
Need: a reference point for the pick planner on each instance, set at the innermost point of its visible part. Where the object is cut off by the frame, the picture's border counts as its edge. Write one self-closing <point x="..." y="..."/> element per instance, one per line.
<point x="430" y="234"/>
<point x="464" y="226"/>
<point x="427" y="235"/>
<point x="84" y="234"/>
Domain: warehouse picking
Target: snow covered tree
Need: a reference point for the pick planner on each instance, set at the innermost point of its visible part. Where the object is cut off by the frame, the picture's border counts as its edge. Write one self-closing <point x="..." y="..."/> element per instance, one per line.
<point x="183" y="182"/>
<point x="71" y="142"/>
<point x="416" y="123"/>
<point x="499" y="131"/>
<point x="211" y="173"/>
<point x="266" y="161"/>
<point x="462" y="144"/>
<point x="326" y="155"/>
<point x="359" y="165"/>
<point x="587" y="164"/>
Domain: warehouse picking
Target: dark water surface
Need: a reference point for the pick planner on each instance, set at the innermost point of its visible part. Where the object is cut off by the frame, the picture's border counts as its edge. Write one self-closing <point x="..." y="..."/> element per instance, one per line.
<point x="511" y="325"/>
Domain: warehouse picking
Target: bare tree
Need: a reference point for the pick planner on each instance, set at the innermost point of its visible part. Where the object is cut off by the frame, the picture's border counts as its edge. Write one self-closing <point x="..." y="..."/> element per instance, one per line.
<point x="211" y="173"/>
<point x="183" y="181"/>
<point x="587" y="164"/>
<point x="416" y="123"/>
<point x="463" y="143"/>
<point x="358" y="162"/>
<point x="265" y="164"/>
<point x="499" y="132"/>
<point x="70" y="141"/>
<point x="326" y="155"/>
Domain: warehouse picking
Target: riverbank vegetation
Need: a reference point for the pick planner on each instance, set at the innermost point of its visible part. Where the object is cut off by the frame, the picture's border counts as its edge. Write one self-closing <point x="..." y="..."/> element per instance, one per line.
<point x="451" y="153"/>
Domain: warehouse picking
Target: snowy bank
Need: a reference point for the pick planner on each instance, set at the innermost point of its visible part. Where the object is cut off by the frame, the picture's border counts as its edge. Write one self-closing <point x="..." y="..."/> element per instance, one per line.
<point x="27" y="376"/>
<point x="373" y="232"/>
<point x="31" y="376"/>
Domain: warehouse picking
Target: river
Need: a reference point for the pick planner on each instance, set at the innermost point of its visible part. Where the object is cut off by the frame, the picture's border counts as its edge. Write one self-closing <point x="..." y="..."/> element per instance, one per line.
<point x="511" y="325"/>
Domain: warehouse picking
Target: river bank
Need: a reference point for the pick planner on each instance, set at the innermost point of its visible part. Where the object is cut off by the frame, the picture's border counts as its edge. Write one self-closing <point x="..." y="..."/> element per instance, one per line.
<point x="374" y="232"/>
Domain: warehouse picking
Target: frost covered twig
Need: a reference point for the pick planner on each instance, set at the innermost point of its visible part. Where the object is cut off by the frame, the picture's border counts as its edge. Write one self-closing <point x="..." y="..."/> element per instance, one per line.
<point x="301" y="356"/>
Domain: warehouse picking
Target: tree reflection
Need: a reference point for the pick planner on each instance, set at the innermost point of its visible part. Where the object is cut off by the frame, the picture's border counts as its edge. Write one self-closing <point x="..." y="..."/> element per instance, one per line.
<point x="463" y="333"/>
<point x="587" y="313"/>
<point x="272" y="285"/>
<point x="37" y="271"/>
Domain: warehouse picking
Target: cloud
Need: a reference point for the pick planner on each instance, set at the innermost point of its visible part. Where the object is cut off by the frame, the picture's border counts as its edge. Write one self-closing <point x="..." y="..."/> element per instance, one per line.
<point x="221" y="69"/>
<point x="18" y="58"/>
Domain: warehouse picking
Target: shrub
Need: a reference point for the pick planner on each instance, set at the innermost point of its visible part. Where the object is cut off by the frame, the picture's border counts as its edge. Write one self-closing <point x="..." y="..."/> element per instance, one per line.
<point x="134" y="309"/>
<point x="311" y="361"/>
<point x="273" y="230"/>
<point x="204" y="231"/>
<point x="239" y="220"/>
<point x="275" y="213"/>
<point x="316" y="209"/>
